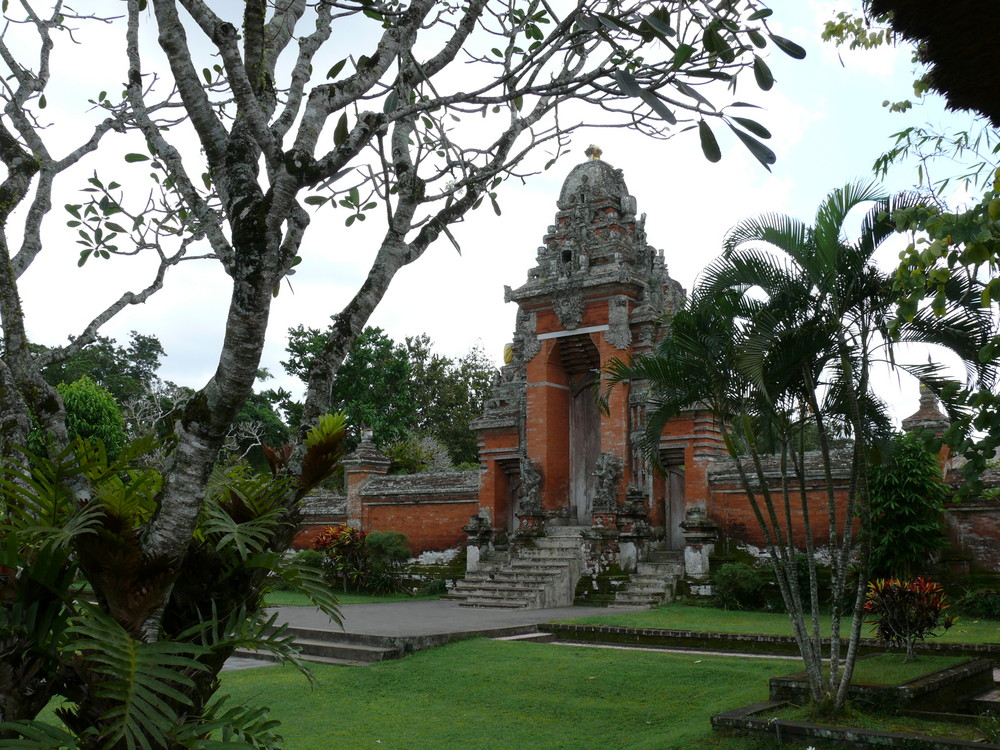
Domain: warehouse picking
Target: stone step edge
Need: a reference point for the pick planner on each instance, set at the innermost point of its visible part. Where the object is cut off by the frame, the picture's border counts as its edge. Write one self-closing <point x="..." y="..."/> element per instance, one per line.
<point x="695" y="640"/>
<point x="311" y="658"/>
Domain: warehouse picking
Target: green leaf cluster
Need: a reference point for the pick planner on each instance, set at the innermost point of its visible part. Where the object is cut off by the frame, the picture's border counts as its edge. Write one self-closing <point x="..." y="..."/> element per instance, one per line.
<point x="907" y="506"/>
<point x="93" y="414"/>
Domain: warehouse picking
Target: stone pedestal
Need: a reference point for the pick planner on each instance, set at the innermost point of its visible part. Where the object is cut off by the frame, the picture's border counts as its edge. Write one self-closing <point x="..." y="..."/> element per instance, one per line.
<point x="700" y="534"/>
<point x="635" y="532"/>
<point x="480" y="541"/>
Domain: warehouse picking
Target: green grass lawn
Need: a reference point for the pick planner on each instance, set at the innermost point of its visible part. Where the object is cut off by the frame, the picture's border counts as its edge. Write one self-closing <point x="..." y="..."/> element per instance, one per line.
<point x="679" y="616"/>
<point x="296" y="599"/>
<point x="500" y="695"/>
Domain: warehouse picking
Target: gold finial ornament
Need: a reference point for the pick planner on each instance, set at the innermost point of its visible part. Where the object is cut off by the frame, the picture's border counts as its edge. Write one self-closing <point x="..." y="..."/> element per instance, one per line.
<point x="593" y="152"/>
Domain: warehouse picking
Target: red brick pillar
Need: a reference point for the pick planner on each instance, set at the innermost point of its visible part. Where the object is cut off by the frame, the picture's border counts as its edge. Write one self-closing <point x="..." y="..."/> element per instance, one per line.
<point x="362" y="463"/>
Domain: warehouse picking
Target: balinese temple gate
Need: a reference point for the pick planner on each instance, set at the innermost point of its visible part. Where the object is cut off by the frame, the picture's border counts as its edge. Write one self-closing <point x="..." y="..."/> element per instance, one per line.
<point x="565" y="507"/>
<point x="559" y="473"/>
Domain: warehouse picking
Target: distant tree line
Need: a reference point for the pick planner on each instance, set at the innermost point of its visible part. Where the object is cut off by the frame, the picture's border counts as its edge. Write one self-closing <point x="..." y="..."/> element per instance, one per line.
<point x="418" y="403"/>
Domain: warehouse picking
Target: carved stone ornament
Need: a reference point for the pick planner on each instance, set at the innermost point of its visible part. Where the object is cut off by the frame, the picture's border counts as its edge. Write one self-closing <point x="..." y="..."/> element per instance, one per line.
<point x="527" y="335"/>
<point x="619" y="335"/>
<point x="531" y="488"/>
<point x="607" y="477"/>
<point x="568" y="306"/>
<point x="479" y="529"/>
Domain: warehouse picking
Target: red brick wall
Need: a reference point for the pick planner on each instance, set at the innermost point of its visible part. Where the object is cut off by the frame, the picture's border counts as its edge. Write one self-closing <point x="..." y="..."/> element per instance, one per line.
<point x="548" y="422"/>
<point x="731" y="509"/>
<point x="428" y="524"/>
<point x="975" y="528"/>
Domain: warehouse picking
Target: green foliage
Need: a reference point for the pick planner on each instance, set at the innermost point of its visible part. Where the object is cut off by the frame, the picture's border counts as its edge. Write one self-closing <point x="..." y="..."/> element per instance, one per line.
<point x="360" y="563"/>
<point x="372" y="385"/>
<point x="124" y="371"/>
<point x="782" y="331"/>
<point x="308" y="558"/>
<point x="449" y="395"/>
<point x="124" y="688"/>
<point x="958" y="254"/>
<point x="739" y="586"/>
<point x="418" y="455"/>
<point x="324" y="443"/>
<point x="980" y="602"/>
<point x="139" y="682"/>
<point x="345" y="558"/>
<point x="904" y="612"/>
<point x="387" y="550"/>
<point x="93" y="414"/>
<point x="907" y="506"/>
<point x="401" y="390"/>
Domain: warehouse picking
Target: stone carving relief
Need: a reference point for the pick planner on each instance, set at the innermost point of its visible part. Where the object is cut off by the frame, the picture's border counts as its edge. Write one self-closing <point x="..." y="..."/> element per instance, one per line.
<point x="530" y="502"/>
<point x="607" y="477"/>
<point x="618" y="334"/>
<point x="526" y="336"/>
<point x="568" y="306"/>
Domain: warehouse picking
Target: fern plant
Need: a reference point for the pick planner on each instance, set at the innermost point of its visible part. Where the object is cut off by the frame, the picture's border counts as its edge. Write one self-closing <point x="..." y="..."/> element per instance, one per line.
<point x="139" y="666"/>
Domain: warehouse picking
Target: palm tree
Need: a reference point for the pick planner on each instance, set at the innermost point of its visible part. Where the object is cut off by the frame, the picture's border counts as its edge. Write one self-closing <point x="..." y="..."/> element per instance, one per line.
<point x="779" y="338"/>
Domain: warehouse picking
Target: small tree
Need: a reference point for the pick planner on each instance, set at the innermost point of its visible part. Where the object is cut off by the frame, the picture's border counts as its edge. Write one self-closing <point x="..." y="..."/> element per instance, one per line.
<point x="782" y="331"/>
<point x="905" y="612"/>
<point x="93" y="413"/>
<point x="907" y="505"/>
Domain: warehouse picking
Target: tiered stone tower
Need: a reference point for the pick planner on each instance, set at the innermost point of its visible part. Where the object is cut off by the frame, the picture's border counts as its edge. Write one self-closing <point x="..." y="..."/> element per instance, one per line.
<point x="599" y="291"/>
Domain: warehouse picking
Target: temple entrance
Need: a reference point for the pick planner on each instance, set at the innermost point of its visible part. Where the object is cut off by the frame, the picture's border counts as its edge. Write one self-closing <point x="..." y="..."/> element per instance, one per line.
<point x="675" y="503"/>
<point x="582" y="362"/>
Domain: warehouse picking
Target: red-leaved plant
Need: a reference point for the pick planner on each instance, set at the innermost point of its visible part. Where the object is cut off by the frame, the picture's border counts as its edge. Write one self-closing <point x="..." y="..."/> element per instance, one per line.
<point x="344" y="555"/>
<point x="904" y="612"/>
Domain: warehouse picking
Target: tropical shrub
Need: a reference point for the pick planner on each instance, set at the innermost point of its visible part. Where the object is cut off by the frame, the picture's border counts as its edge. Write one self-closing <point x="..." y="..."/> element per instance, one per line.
<point x="980" y="603"/>
<point x="739" y="586"/>
<point x="904" y="612"/>
<point x="907" y="500"/>
<point x="345" y="559"/>
<point x="387" y="556"/>
<point x="93" y="414"/>
<point x="118" y="684"/>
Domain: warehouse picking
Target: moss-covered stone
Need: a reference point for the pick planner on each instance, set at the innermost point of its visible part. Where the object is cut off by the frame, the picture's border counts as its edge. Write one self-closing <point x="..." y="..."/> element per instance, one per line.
<point x="598" y="588"/>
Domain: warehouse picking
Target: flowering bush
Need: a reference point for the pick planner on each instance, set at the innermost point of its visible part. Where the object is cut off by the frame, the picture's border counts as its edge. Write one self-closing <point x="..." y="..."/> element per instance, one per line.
<point x="904" y="612"/>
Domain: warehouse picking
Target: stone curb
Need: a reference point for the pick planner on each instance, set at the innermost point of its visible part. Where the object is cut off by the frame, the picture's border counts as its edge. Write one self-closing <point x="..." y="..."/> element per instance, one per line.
<point x="748" y="720"/>
<point x="698" y="640"/>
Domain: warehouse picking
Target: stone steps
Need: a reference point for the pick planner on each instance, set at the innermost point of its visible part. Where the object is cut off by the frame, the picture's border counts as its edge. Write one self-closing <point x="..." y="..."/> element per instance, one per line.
<point x="542" y="574"/>
<point x="987" y="701"/>
<point x="653" y="583"/>
<point x="330" y="647"/>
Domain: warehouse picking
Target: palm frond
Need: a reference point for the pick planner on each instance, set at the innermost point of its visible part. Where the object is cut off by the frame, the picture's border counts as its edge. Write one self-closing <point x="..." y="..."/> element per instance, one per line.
<point x="786" y="233"/>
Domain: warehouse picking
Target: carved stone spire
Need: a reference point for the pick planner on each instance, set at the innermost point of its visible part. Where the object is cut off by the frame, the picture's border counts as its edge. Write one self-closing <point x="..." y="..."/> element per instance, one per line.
<point x="929" y="416"/>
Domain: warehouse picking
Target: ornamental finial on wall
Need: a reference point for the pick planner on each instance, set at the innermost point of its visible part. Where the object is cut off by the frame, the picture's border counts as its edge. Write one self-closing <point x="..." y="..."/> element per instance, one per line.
<point x="594" y="152"/>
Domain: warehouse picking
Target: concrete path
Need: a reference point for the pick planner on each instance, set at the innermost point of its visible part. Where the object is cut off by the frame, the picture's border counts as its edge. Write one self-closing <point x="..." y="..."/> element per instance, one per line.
<point x="432" y="617"/>
<point x="431" y="622"/>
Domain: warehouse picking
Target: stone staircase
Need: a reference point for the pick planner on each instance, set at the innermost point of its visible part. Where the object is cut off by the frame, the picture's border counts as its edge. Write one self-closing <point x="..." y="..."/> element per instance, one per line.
<point x="539" y="575"/>
<point x="336" y="647"/>
<point x="654" y="581"/>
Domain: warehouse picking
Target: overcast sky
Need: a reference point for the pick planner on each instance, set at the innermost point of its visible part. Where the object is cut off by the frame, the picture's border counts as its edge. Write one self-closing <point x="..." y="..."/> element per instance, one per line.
<point x="828" y="126"/>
